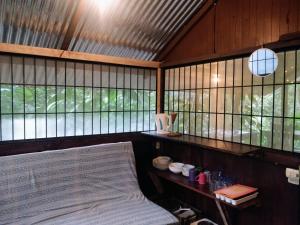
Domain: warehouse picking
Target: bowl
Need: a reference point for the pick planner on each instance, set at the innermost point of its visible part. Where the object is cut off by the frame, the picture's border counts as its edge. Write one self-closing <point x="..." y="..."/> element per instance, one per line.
<point x="161" y="162"/>
<point x="186" y="169"/>
<point x="176" y="167"/>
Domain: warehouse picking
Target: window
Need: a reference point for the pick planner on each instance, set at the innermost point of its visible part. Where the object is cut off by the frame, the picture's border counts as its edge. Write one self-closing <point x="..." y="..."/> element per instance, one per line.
<point x="224" y="101"/>
<point x="42" y="98"/>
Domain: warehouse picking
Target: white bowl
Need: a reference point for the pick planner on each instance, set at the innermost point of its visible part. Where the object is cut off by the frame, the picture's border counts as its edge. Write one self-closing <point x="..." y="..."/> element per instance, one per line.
<point x="186" y="169"/>
<point x="161" y="162"/>
<point x="176" y="167"/>
<point x="163" y="159"/>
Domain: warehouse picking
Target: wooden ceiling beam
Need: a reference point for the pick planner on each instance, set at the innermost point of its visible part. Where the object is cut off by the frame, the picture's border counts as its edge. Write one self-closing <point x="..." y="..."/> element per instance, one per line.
<point x="206" y="7"/>
<point x="55" y="53"/>
<point x="81" y="5"/>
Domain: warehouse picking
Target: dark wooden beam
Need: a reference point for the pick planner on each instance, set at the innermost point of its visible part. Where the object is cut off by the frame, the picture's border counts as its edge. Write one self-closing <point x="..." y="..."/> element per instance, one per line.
<point x="81" y="5"/>
<point x="207" y="5"/>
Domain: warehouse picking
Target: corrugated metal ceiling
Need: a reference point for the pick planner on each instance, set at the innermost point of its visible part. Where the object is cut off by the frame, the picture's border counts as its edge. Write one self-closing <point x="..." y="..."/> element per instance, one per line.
<point x="129" y="28"/>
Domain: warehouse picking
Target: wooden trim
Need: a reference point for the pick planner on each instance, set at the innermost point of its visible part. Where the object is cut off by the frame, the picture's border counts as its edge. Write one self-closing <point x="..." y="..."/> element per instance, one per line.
<point x="56" y="53"/>
<point x="205" y="7"/>
<point x="276" y="46"/>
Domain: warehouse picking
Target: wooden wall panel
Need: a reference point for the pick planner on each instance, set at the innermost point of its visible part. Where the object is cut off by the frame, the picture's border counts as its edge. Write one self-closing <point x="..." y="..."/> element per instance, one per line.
<point x="240" y="25"/>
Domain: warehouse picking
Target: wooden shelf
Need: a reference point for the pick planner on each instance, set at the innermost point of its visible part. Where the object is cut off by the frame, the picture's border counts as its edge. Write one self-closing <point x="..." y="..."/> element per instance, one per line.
<point x="200" y="189"/>
<point x="208" y="144"/>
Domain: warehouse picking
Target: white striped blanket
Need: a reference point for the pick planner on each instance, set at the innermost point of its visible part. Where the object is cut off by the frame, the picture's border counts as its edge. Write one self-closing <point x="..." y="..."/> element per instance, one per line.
<point x="79" y="186"/>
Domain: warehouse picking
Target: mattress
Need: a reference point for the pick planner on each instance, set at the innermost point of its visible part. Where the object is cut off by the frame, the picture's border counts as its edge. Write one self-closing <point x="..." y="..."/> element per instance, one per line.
<point x="85" y="186"/>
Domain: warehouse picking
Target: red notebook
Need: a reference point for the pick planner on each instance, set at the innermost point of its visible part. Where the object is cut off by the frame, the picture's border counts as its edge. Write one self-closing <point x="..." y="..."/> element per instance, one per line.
<point x="236" y="191"/>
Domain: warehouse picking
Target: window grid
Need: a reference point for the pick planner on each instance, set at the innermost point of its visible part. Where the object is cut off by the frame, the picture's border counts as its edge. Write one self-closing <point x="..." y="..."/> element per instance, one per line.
<point x="256" y="107"/>
<point x="41" y="97"/>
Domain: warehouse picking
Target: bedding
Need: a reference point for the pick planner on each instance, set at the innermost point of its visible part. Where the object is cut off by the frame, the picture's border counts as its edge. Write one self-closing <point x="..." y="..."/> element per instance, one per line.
<point x="92" y="185"/>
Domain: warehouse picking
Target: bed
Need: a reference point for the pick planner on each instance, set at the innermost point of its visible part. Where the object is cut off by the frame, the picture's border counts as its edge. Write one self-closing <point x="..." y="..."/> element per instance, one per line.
<point x="78" y="186"/>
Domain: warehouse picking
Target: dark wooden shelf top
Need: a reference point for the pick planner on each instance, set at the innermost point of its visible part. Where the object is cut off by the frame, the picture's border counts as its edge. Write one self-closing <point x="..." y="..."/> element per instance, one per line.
<point x="200" y="189"/>
<point x="208" y="144"/>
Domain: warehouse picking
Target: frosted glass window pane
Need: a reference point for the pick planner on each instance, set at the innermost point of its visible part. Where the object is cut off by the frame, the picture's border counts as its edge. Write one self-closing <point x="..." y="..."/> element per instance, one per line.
<point x="133" y="125"/>
<point x="277" y="133"/>
<point x="18" y="71"/>
<point x="29" y="70"/>
<point x="220" y="105"/>
<point x="6" y="125"/>
<point x="266" y="132"/>
<point x="70" y="74"/>
<point x="257" y="100"/>
<point x="268" y="101"/>
<point x="171" y="80"/>
<point x="186" y="122"/>
<point x="220" y="126"/>
<point x="229" y="73"/>
<point x="205" y="124"/>
<point x="221" y="74"/>
<point x="247" y="76"/>
<point x="61" y="125"/>
<point x="198" y="124"/>
<point x="119" y="122"/>
<point x="97" y="76"/>
<point x="193" y="77"/>
<point x="88" y="75"/>
<point x="147" y="80"/>
<point x="126" y="122"/>
<point x="199" y="76"/>
<point x="70" y="124"/>
<point x="177" y="78"/>
<point x="187" y="79"/>
<point x="192" y="124"/>
<point x="214" y="75"/>
<point x="104" y="76"/>
<point x="40" y="71"/>
<point x="206" y="81"/>
<point x="297" y="136"/>
<point x="19" y="127"/>
<point x="289" y="100"/>
<point x="182" y="78"/>
<point x="288" y="135"/>
<point x="212" y="126"/>
<point x="205" y="100"/>
<point x="5" y="67"/>
<point x="18" y="102"/>
<point x="79" y="74"/>
<point x="237" y="100"/>
<point x="51" y="125"/>
<point x="112" y="76"/>
<point x="213" y="100"/>
<point x="246" y="101"/>
<point x="167" y="80"/>
<point x="140" y="78"/>
<point x="228" y="100"/>
<point x="236" y="133"/>
<point x="290" y="59"/>
<point x="153" y="80"/>
<point x="228" y="128"/>
<point x="96" y="123"/>
<point x="199" y="100"/>
<point x="256" y="129"/>
<point x="104" y="123"/>
<point x="238" y="63"/>
<point x="134" y="78"/>
<point x="140" y="121"/>
<point x="127" y="77"/>
<point x="61" y="73"/>
<point x="88" y="123"/>
<point x="50" y="72"/>
<point x="41" y="125"/>
<point x="279" y="73"/>
<point x="246" y="122"/>
<point x="79" y="123"/>
<point x="146" y="120"/>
